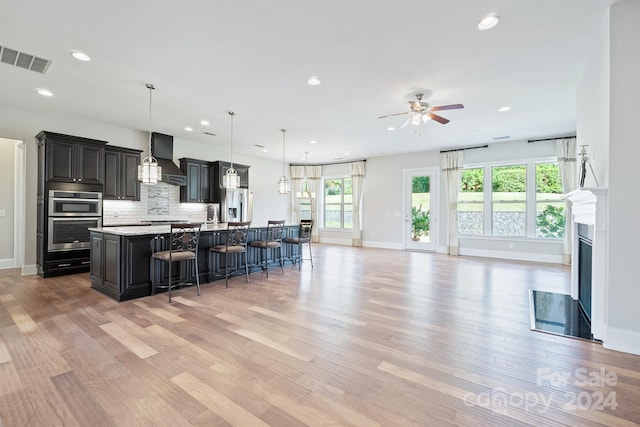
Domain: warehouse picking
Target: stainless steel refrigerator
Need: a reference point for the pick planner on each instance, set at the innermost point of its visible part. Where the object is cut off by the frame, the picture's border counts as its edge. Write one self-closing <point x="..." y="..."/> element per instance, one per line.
<point x="237" y="205"/>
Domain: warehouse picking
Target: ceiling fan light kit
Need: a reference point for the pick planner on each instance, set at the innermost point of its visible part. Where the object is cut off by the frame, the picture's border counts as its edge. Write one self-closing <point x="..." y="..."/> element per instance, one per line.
<point x="421" y="112"/>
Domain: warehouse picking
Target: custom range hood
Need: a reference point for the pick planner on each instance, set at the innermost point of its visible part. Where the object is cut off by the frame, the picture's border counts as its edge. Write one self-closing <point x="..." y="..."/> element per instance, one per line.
<point x="162" y="150"/>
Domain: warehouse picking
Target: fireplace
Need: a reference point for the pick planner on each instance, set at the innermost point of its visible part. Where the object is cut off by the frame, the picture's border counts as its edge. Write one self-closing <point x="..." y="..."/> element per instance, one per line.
<point x="585" y="268"/>
<point x="589" y="211"/>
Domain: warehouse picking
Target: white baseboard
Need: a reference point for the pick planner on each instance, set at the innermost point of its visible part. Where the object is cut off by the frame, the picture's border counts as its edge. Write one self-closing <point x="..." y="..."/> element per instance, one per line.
<point x="441" y="250"/>
<point x="382" y="245"/>
<point x="343" y="242"/>
<point x="518" y="256"/>
<point x="621" y="340"/>
<point x="29" y="269"/>
<point x="7" y="263"/>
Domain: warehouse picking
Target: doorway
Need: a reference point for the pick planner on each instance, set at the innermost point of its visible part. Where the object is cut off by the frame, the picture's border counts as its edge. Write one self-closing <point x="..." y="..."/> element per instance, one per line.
<point x="420" y="209"/>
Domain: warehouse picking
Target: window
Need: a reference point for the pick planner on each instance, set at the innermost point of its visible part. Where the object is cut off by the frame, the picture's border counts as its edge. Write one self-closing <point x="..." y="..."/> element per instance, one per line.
<point x="549" y="201"/>
<point x="305" y="208"/>
<point x="471" y="202"/>
<point x="523" y="200"/>
<point x="338" y="203"/>
<point x="509" y="200"/>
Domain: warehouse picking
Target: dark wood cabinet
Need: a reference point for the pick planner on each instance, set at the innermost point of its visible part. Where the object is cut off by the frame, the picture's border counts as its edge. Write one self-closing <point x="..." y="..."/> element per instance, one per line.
<point x="198" y="185"/>
<point x="219" y="168"/>
<point x="71" y="163"/>
<point x="72" y="159"/>
<point x="121" y="174"/>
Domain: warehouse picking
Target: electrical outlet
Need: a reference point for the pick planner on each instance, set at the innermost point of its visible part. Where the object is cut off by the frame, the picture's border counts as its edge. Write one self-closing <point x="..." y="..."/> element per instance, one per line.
<point x="3" y="212"/>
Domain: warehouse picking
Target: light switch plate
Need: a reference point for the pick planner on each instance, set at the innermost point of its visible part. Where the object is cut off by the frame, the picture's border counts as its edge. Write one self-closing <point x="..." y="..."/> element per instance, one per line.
<point x="3" y="212"/>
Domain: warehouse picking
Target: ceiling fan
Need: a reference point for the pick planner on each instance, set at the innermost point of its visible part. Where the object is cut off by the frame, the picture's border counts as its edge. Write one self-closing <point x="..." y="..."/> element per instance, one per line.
<point x="421" y="112"/>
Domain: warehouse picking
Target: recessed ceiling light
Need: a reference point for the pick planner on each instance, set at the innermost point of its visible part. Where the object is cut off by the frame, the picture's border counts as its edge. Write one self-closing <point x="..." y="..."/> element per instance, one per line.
<point x="391" y="128"/>
<point x="488" y="22"/>
<point x="346" y="153"/>
<point x="188" y="129"/>
<point x="264" y="150"/>
<point x="313" y="142"/>
<point x="80" y="56"/>
<point x="505" y="108"/>
<point x="314" y="81"/>
<point x="204" y="122"/>
<point x="44" y="92"/>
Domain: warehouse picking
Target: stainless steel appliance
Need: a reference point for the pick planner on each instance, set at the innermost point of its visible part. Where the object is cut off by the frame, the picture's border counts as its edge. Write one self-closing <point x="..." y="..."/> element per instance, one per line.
<point x="237" y="205"/>
<point x="75" y="203"/>
<point x="70" y="233"/>
<point x="71" y="213"/>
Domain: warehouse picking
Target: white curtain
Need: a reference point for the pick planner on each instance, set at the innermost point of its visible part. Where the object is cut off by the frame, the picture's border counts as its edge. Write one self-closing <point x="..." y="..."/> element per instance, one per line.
<point x="297" y="179"/>
<point x="452" y="162"/>
<point x="357" y="182"/>
<point x="567" y="150"/>
<point x="314" y="176"/>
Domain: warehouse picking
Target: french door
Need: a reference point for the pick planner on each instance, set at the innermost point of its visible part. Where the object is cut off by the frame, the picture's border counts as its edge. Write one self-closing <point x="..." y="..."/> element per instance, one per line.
<point x="420" y="209"/>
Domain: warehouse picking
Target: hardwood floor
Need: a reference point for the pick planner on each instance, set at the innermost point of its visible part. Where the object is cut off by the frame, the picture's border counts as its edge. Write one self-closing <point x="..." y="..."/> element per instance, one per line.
<point x="369" y="337"/>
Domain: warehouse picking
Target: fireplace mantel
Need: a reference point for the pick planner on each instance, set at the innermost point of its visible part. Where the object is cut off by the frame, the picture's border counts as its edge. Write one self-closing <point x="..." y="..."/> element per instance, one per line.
<point x="585" y="211"/>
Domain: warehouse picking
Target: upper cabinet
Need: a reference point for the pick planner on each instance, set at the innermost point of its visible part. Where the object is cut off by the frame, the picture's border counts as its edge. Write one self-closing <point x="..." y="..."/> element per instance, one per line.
<point x="72" y="159"/>
<point x="198" y="185"/>
<point x="121" y="173"/>
<point x="220" y="168"/>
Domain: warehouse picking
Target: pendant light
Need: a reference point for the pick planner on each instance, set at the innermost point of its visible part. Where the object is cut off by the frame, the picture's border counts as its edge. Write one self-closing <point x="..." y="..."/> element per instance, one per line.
<point x="283" y="184"/>
<point x="149" y="172"/>
<point x="306" y="193"/>
<point x="231" y="180"/>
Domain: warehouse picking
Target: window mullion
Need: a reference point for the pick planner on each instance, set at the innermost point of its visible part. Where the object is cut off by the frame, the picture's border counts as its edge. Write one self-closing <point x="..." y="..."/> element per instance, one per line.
<point x="488" y="202"/>
<point x="530" y="216"/>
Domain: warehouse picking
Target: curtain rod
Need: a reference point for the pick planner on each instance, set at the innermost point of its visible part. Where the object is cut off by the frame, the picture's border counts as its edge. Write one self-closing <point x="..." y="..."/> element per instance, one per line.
<point x="466" y="148"/>
<point x="325" y="164"/>
<point x="550" y="139"/>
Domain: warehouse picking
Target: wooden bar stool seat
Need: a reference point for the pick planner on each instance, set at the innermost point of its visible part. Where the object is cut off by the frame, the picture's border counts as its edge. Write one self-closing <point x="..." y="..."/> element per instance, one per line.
<point x="235" y="243"/>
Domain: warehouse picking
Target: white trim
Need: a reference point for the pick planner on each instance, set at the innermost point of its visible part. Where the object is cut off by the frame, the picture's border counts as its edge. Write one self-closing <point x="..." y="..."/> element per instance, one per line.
<point x="622" y="340"/>
<point x="6" y="263"/>
<point x="518" y="256"/>
<point x="29" y="269"/>
<point x="382" y="245"/>
<point x="19" y="196"/>
<point x="344" y="242"/>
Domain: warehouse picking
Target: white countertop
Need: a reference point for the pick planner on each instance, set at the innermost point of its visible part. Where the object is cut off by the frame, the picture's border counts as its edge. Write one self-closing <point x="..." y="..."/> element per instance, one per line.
<point x="141" y="230"/>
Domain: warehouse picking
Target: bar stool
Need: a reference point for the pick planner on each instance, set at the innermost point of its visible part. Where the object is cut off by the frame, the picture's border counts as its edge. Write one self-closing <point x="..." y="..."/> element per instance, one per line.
<point x="272" y="240"/>
<point x="183" y="248"/>
<point x="236" y="243"/>
<point x="304" y="236"/>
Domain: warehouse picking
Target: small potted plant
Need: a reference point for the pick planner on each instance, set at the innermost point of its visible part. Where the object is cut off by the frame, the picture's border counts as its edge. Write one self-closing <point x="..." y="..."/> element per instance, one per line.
<point x="419" y="222"/>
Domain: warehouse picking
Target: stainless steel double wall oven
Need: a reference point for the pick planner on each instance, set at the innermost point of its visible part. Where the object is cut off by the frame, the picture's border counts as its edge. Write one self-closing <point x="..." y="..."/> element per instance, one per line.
<point x="70" y="214"/>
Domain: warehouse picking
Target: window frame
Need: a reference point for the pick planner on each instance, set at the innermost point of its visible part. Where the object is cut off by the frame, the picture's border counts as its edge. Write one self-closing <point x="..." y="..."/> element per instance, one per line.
<point x="323" y="203"/>
<point x="530" y="202"/>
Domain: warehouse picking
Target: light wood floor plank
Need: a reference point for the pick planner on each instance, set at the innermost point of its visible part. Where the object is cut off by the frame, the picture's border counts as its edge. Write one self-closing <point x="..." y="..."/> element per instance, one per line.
<point x="134" y="344"/>
<point x="23" y="321"/>
<point x="218" y="403"/>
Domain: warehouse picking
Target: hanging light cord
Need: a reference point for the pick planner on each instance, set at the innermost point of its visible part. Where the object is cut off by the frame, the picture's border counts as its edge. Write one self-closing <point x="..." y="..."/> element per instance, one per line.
<point x="151" y="88"/>
<point x="283" y="131"/>
<point x="231" y="113"/>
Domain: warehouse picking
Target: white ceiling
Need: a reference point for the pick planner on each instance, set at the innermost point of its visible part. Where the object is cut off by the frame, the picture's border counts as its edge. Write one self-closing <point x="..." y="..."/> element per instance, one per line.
<point x="254" y="57"/>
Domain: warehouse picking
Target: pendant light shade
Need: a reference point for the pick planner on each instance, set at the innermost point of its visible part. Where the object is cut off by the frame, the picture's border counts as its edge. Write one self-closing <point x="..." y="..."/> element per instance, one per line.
<point x="306" y="193"/>
<point x="231" y="180"/>
<point x="149" y="172"/>
<point x="283" y="184"/>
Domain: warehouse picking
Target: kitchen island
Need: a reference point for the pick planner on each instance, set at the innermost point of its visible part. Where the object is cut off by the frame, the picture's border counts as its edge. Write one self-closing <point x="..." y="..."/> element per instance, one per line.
<point x="121" y="264"/>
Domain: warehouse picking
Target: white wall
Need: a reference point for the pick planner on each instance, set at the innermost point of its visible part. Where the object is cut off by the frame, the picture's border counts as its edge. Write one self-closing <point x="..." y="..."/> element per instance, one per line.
<point x="24" y="125"/>
<point x="592" y="127"/>
<point x="623" y="293"/>
<point x="7" y="159"/>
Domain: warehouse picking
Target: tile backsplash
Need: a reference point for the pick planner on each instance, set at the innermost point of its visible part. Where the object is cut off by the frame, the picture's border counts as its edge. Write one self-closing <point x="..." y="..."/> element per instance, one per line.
<point x="157" y="202"/>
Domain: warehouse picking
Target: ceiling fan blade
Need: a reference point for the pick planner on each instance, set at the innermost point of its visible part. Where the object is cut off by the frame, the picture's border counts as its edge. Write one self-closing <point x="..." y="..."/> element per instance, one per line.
<point x="446" y="107"/>
<point x="438" y="118"/>
<point x="391" y="115"/>
<point x="405" y="123"/>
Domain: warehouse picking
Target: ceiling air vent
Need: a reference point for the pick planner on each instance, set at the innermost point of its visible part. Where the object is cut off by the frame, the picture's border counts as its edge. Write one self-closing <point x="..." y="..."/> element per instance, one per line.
<point x="24" y="60"/>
